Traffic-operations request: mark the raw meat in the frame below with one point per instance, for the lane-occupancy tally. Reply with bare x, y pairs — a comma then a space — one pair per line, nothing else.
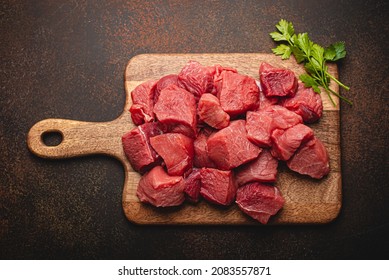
201, 157
277, 81
163, 83
262, 123
196, 78
176, 107
311, 159
180, 128
259, 201
160, 189
238, 94
193, 185
143, 102
259, 128
282, 118
176, 150
218, 79
185, 128
306, 103
229, 147
263, 100
261, 169
211, 112
136, 146
217, 186
286, 142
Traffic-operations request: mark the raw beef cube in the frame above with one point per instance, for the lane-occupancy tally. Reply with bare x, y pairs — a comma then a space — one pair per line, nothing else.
176, 151
143, 102
259, 127
218, 79
260, 124
136, 146
263, 100
160, 189
193, 185
176, 107
196, 78
306, 103
259, 201
220, 69
180, 128
229, 147
238, 94
277, 81
211, 112
201, 157
261, 169
283, 118
286, 142
217, 186
165, 82
311, 159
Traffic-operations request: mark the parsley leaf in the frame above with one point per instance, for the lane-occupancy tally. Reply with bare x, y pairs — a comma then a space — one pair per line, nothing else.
336, 50
278, 36
283, 50
285, 28
310, 82
329, 53
298, 54
304, 43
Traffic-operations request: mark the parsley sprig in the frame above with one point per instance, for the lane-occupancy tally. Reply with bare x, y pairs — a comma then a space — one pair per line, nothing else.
312, 55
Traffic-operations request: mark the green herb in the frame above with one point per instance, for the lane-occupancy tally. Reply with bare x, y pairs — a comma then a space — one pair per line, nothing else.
312, 55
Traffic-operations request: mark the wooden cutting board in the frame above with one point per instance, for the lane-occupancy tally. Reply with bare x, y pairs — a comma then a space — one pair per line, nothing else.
308, 201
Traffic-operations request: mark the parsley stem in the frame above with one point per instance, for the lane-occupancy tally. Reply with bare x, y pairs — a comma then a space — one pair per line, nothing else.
329, 95
341, 97
337, 81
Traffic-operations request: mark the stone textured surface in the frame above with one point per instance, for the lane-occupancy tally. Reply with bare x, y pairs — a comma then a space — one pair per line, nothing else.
65, 59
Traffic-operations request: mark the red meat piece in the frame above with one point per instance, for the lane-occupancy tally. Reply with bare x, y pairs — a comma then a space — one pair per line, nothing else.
160, 189
282, 118
180, 128
193, 185
262, 123
176, 150
211, 112
196, 78
176, 108
277, 81
286, 142
259, 201
306, 103
311, 159
165, 82
137, 148
263, 100
261, 169
229, 147
218, 79
259, 127
217, 186
238, 94
201, 157
143, 102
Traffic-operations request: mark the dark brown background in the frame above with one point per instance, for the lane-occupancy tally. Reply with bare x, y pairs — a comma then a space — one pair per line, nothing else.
65, 59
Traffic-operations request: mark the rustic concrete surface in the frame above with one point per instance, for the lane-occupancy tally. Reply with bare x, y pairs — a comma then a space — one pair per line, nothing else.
65, 59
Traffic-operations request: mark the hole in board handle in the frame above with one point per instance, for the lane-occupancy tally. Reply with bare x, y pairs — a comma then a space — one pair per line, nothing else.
52, 138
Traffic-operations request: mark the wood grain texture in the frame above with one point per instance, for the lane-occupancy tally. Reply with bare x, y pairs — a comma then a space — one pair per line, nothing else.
308, 200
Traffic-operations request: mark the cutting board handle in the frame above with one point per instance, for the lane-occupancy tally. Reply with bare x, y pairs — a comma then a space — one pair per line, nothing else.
78, 138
